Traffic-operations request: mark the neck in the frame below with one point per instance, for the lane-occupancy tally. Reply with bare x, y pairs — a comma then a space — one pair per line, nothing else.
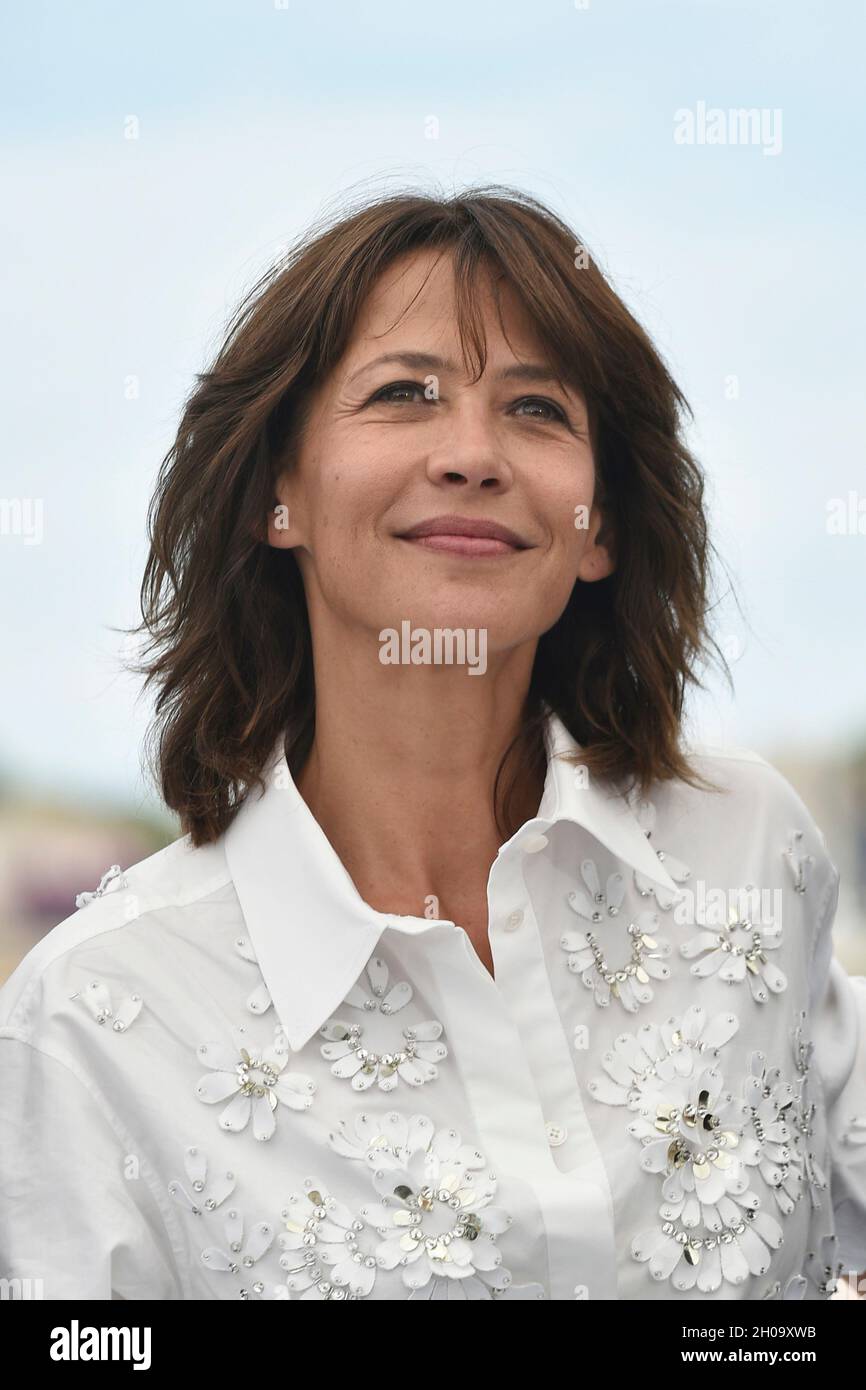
401, 775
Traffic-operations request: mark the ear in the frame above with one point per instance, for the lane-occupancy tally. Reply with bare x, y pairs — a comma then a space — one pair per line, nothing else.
280, 528
599, 555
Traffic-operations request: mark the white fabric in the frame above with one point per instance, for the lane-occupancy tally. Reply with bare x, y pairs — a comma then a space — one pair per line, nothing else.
530, 1111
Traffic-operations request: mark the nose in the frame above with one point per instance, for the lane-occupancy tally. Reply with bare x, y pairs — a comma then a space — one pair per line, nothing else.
470, 453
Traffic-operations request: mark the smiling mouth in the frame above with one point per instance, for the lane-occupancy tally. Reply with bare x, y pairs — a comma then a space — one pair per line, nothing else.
457, 535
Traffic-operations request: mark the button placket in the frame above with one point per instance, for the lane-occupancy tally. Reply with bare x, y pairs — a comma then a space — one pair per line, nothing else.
576, 1201
556, 1134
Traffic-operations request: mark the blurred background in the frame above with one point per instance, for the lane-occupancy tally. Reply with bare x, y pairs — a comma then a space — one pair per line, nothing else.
157, 159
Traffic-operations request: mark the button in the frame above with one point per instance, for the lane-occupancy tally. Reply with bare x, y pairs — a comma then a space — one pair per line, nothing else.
513, 920
556, 1134
531, 844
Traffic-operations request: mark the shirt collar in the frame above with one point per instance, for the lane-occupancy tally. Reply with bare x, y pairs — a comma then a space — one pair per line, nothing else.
310, 929
600, 807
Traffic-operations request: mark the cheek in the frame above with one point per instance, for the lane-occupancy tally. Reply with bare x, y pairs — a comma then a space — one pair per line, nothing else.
567, 511
343, 505
353, 473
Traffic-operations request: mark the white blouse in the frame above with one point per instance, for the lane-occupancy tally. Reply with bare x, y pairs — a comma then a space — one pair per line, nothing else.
227, 1076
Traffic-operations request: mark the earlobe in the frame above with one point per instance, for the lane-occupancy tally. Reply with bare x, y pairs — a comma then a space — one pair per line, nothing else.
596, 563
279, 531
283, 516
599, 558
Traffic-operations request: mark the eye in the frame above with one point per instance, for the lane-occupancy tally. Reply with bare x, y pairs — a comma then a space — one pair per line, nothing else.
388, 394
545, 405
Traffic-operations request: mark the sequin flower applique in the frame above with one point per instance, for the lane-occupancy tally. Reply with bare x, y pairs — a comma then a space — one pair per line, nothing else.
588, 950
823, 1269
770, 1108
798, 863
794, 1168
253, 1080
794, 1288
111, 880
201, 1192
241, 1252
738, 952
329, 1252
804, 1112
371, 1054
259, 1001
693, 1134
97, 1000
437, 1219
645, 813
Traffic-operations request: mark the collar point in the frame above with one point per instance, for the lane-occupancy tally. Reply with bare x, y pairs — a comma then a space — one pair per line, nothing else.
299, 1035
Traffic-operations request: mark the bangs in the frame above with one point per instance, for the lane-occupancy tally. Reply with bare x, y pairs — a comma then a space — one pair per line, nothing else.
488, 244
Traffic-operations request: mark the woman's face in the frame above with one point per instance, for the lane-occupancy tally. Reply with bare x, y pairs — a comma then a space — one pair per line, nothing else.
395, 445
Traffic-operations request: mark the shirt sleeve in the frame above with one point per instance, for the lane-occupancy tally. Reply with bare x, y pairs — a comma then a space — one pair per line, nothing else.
77, 1219
839, 1035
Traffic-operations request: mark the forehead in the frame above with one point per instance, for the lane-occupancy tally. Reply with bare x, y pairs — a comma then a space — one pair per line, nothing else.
415, 298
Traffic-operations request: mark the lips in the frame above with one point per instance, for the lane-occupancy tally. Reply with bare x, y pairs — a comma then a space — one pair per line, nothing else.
463, 535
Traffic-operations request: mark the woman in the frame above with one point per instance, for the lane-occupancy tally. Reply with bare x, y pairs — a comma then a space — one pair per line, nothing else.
467, 980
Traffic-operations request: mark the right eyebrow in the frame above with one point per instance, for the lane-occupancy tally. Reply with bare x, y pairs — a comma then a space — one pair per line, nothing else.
538, 372
423, 361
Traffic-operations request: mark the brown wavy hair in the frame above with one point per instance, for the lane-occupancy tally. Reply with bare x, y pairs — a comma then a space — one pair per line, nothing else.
228, 643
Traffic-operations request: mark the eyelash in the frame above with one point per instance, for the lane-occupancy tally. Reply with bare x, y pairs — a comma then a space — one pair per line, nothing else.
414, 386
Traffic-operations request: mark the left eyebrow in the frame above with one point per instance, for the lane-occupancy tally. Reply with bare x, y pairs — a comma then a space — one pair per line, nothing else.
529, 371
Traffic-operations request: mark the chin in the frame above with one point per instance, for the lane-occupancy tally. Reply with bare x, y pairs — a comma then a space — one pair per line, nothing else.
504, 625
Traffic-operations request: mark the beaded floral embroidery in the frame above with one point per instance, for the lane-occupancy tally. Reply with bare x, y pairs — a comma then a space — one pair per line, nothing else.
241, 1251
413, 1059
253, 1080
97, 1000
111, 880
645, 813
709, 1146
793, 1288
768, 1098
208, 1193
259, 1001
697, 1136
823, 1270
797, 862
737, 952
201, 1194
823, 1266
436, 1220
328, 1251
804, 1113
627, 982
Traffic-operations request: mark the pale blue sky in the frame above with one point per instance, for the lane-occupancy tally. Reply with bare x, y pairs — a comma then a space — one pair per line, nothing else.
123, 258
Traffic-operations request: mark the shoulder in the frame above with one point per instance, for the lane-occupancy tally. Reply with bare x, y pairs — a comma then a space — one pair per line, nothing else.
158, 888
741, 773
754, 807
